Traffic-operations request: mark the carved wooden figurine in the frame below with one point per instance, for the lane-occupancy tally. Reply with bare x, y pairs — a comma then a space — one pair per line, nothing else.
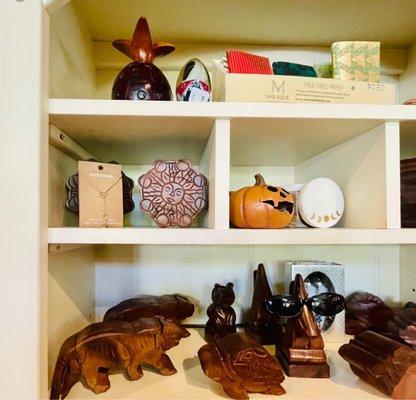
383, 363
221, 316
301, 352
403, 326
408, 193
242, 366
263, 325
366, 311
172, 306
115, 346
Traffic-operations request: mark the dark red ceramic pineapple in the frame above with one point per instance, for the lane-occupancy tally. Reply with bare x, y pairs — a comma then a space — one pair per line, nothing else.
141, 80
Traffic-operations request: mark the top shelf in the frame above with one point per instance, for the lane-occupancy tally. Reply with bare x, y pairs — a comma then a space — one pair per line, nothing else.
61, 108
270, 22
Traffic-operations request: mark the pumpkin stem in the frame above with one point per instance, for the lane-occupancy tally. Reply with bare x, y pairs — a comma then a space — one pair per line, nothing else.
259, 180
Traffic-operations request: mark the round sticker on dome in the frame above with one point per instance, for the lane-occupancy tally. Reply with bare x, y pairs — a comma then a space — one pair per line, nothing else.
321, 203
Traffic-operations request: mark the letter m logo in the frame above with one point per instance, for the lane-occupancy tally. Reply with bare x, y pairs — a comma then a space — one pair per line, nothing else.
278, 87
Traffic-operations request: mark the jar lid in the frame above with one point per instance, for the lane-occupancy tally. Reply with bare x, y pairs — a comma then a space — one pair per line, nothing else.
321, 203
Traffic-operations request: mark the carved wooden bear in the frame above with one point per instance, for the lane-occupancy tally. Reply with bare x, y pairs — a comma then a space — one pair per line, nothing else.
221, 316
90, 354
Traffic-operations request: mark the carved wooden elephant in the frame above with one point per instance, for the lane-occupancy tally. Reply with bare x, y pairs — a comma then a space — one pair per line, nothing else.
120, 346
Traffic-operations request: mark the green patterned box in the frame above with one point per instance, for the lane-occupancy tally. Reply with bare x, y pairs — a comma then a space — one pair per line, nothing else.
356, 61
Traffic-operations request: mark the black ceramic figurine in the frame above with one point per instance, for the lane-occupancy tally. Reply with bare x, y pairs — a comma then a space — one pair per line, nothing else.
141, 79
221, 316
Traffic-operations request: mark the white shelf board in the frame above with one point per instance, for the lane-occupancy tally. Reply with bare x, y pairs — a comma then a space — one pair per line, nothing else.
90, 107
283, 134
191, 383
203, 236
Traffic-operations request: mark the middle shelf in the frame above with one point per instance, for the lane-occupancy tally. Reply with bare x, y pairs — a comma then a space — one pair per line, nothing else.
356, 146
203, 236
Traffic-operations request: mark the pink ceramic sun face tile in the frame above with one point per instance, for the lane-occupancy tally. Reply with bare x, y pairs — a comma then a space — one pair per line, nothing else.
173, 193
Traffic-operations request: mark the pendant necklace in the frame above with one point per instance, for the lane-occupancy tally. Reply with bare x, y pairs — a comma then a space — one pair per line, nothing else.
103, 195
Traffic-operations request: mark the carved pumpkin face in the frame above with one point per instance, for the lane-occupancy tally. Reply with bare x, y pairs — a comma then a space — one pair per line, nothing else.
261, 206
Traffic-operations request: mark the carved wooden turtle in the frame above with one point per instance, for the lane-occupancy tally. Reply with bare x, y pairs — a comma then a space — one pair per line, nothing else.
242, 366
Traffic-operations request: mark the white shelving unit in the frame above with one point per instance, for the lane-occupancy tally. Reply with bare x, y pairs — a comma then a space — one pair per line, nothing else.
56, 71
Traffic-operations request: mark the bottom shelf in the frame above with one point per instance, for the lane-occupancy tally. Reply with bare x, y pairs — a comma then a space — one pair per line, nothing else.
191, 383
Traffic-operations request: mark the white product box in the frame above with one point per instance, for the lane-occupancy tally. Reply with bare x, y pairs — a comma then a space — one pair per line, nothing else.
296, 89
321, 277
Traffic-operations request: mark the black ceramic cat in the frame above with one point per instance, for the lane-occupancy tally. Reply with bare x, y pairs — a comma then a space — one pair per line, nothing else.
221, 316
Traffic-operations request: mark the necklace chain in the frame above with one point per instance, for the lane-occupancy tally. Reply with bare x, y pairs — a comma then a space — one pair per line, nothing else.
102, 194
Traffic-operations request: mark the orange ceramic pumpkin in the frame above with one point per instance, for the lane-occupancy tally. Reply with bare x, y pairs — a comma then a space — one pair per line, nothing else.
261, 206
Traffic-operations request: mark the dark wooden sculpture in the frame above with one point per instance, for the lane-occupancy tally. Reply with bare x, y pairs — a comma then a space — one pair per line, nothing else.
221, 316
89, 355
172, 306
365, 311
301, 351
408, 192
142, 80
242, 366
263, 325
403, 326
72, 201
383, 363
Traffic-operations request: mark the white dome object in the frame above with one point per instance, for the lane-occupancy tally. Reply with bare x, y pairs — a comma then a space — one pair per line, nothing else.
193, 83
321, 203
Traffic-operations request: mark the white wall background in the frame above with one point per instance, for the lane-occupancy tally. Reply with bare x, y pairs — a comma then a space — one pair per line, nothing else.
125, 271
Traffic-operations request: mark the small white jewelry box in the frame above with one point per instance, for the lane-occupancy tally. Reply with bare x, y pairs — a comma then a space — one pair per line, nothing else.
321, 277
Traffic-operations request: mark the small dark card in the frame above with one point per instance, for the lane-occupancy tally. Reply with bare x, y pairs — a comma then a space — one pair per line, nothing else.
288, 68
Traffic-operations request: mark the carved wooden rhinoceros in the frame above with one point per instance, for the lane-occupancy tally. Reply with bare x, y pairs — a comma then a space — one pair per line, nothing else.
119, 346
241, 365
173, 306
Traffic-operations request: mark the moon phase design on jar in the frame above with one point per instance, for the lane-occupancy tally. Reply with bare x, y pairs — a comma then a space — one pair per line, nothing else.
321, 203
